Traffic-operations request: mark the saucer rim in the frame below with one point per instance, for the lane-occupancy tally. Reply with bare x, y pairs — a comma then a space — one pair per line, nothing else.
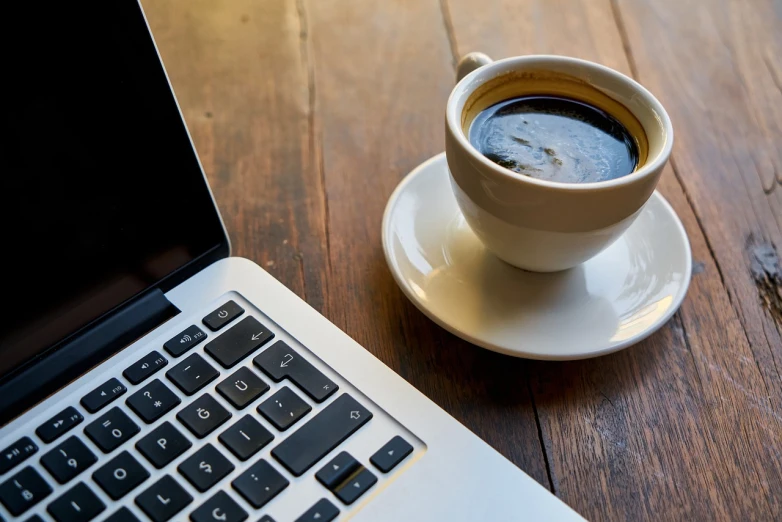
397, 275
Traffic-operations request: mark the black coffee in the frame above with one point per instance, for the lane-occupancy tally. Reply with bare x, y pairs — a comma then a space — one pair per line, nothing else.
554, 138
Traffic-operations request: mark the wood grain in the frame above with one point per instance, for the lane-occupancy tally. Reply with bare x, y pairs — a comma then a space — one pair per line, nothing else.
307, 113
238, 69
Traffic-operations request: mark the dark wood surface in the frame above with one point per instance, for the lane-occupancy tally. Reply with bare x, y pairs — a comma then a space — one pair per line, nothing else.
307, 113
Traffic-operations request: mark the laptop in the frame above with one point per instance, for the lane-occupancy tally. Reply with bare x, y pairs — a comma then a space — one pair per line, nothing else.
147, 375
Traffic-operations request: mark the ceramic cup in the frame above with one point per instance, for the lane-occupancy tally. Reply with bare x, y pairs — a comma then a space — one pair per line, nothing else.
535, 224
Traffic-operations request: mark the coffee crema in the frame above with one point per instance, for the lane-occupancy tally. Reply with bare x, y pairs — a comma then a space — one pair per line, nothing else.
554, 138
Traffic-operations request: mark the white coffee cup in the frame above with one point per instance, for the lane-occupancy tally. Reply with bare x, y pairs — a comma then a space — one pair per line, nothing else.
541, 225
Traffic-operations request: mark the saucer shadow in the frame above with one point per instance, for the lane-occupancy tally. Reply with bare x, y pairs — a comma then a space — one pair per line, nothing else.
460, 376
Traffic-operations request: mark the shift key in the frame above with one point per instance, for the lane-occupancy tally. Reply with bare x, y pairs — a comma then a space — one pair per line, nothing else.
324, 432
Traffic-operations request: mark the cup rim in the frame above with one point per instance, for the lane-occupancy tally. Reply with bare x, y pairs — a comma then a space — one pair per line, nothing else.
649, 168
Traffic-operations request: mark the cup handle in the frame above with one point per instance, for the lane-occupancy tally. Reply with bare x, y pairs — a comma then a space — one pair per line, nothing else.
469, 63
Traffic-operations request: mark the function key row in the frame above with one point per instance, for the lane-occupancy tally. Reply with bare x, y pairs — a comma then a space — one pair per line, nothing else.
16, 453
103, 395
145, 367
184, 341
58, 425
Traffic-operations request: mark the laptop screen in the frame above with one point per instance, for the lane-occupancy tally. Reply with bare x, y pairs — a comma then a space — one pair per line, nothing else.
103, 194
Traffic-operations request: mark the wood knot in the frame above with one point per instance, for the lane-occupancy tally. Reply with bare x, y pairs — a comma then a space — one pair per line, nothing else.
767, 274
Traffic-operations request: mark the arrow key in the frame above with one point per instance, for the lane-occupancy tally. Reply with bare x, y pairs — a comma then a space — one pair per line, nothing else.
238, 342
391, 454
337, 470
322, 511
356, 486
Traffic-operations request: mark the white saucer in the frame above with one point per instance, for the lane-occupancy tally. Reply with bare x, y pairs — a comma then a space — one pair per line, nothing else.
610, 302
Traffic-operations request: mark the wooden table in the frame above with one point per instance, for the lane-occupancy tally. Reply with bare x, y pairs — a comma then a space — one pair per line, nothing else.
306, 114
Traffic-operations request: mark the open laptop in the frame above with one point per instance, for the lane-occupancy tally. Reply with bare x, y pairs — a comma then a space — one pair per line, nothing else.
147, 375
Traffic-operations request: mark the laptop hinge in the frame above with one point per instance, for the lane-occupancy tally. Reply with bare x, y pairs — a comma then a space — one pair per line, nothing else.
82, 352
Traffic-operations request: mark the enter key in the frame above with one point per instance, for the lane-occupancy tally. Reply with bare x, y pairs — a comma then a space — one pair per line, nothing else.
280, 361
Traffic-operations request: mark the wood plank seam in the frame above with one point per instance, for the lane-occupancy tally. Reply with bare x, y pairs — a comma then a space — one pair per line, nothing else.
314, 137
544, 447
449, 31
622, 29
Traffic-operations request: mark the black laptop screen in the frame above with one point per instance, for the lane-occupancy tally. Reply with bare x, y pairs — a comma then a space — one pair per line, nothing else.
103, 196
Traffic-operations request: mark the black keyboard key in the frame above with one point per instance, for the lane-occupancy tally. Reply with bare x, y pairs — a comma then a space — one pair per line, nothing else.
120, 476
123, 514
17, 452
79, 504
102, 395
68, 459
238, 342
59, 424
203, 416
164, 499
322, 511
356, 486
182, 342
111, 429
140, 370
223, 315
153, 401
280, 361
192, 374
242, 387
337, 470
219, 508
321, 434
37, 518
205, 468
284, 409
392, 453
265, 518
259, 484
245, 438
23, 490
163, 445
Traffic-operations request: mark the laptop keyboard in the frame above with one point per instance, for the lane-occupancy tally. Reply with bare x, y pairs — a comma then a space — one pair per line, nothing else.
253, 416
